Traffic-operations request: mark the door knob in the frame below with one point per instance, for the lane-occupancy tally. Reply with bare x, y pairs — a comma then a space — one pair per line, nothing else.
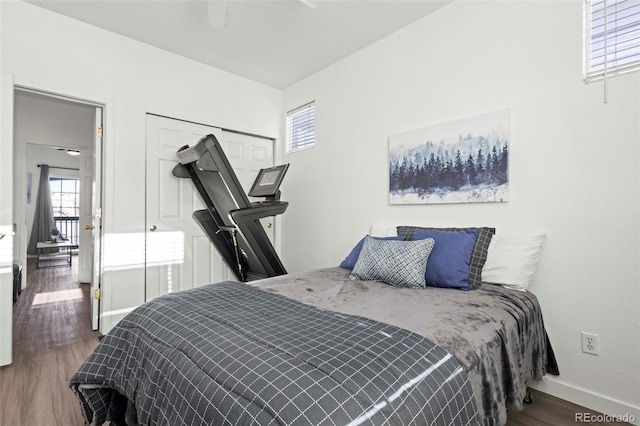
89, 227
269, 225
153, 228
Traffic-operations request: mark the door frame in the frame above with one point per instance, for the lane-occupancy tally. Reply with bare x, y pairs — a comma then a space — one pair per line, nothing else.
20, 163
6, 218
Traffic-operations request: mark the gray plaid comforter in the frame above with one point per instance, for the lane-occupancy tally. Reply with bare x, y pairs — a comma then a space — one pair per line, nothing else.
232, 354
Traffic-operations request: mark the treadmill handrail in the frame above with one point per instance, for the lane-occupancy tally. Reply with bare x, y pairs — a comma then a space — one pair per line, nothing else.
258, 212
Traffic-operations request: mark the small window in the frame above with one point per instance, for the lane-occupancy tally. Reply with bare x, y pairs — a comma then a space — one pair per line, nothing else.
612, 38
301, 128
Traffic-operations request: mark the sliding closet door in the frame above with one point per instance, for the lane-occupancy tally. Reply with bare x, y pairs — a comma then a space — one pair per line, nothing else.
179, 255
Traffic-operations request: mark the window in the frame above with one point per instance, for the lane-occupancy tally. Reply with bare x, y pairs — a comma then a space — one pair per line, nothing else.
65, 201
301, 128
612, 38
65, 196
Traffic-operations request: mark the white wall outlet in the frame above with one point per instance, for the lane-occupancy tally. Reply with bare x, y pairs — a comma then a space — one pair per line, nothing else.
590, 343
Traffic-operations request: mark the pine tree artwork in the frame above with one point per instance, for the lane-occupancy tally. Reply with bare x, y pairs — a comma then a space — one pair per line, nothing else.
464, 161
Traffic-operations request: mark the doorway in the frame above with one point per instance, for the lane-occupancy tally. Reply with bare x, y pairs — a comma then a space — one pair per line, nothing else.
59, 132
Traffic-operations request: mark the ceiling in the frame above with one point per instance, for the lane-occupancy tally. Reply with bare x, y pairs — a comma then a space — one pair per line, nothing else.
277, 43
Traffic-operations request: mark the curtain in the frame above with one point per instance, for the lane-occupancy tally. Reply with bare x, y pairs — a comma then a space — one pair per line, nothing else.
43, 221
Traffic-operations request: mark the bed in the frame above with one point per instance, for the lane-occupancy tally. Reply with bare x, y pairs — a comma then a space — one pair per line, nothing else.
319, 347
497, 334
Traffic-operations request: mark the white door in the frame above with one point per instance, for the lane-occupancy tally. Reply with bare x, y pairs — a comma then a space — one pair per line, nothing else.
87, 208
179, 255
96, 222
247, 155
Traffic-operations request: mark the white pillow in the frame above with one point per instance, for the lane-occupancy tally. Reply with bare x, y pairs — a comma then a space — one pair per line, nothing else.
512, 259
383, 231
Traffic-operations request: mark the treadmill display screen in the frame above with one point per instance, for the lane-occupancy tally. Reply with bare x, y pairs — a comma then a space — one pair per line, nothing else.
269, 178
268, 181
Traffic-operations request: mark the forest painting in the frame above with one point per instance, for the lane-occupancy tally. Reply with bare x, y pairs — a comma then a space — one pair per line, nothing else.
465, 161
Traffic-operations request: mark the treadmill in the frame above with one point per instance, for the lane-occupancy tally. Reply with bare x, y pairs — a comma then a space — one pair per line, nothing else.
230, 220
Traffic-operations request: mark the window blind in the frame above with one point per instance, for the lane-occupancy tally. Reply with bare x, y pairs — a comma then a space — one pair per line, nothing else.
301, 128
612, 38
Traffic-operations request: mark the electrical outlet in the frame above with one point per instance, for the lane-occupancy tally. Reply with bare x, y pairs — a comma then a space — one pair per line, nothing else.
590, 343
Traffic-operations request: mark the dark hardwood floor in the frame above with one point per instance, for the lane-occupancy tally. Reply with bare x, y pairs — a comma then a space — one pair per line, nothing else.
53, 336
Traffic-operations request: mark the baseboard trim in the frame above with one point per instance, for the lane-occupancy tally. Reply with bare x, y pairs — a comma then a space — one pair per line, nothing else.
588, 399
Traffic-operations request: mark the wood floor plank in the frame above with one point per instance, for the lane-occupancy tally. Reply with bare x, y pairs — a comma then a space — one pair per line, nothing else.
51, 340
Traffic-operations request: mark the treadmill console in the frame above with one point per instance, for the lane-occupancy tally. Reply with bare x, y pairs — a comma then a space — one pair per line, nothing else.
267, 183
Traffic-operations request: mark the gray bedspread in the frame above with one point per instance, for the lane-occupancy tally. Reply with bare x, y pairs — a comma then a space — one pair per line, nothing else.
232, 354
497, 334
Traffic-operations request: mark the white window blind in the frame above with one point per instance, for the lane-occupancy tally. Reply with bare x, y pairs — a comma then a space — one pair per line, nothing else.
612, 38
301, 128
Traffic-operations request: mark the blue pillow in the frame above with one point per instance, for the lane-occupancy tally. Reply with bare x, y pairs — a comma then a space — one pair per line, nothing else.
350, 261
449, 261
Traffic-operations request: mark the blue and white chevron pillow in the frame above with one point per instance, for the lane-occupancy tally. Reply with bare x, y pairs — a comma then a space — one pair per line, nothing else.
399, 263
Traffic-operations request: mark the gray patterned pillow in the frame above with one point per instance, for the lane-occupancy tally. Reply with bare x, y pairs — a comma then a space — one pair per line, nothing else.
399, 263
478, 256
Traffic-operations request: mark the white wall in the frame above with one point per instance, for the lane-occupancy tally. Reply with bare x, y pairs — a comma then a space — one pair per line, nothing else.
47, 51
573, 168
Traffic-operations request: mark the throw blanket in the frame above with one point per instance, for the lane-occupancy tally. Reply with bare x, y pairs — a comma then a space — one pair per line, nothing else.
231, 354
496, 334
